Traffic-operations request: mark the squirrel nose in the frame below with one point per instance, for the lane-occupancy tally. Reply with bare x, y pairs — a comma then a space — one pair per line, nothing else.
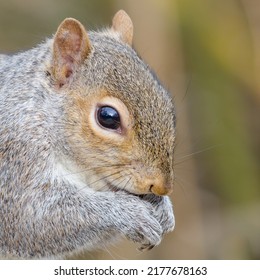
158, 186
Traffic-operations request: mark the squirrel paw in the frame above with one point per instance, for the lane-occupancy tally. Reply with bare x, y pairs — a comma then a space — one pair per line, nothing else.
143, 227
163, 211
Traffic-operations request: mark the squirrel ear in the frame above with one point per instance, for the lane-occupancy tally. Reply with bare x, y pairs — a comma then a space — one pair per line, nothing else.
123, 24
71, 46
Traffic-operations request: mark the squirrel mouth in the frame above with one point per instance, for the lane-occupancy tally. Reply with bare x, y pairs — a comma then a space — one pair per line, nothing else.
114, 188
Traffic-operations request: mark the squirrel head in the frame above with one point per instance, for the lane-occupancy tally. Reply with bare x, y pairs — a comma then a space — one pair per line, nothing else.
118, 120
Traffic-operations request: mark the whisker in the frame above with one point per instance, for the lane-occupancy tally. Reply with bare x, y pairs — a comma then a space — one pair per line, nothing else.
127, 183
95, 168
119, 183
102, 178
120, 174
115, 255
132, 184
186, 157
109, 252
182, 185
113, 181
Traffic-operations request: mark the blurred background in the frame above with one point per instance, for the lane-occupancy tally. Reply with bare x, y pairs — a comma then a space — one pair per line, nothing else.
207, 54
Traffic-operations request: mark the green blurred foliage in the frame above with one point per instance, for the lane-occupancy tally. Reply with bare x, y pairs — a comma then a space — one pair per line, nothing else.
219, 53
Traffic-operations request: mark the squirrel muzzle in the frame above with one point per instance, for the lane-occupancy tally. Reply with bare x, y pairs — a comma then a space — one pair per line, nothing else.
161, 189
158, 185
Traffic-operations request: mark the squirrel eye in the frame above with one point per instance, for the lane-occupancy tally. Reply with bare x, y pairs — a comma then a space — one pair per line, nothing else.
108, 117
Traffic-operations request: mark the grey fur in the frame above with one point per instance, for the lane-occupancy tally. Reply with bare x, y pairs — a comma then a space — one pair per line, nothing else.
42, 213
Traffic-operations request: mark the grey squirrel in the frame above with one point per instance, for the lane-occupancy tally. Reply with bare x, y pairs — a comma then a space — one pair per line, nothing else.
87, 137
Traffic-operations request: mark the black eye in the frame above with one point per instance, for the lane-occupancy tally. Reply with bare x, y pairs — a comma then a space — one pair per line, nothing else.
108, 117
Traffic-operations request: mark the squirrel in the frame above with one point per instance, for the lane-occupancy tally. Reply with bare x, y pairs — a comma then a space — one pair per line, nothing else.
87, 137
